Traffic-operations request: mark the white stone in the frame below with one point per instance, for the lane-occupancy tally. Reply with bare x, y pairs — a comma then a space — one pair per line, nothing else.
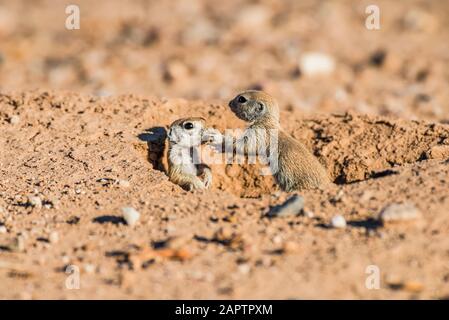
35, 201
130, 215
399, 212
3, 229
244, 268
89, 268
124, 183
53, 237
14, 119
309, 214
316, 63
338, 222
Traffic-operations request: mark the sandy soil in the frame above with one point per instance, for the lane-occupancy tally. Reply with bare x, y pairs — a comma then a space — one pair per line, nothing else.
83, 118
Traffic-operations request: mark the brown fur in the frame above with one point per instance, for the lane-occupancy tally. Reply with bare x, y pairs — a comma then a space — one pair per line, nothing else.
297, 167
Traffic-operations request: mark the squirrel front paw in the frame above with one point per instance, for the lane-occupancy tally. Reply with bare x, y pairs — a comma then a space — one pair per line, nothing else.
212, 136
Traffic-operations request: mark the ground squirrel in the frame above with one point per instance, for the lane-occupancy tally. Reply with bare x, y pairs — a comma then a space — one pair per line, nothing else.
292, 165
184, 164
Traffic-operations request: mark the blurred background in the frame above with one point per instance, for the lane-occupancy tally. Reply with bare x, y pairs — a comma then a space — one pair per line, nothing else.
200, 49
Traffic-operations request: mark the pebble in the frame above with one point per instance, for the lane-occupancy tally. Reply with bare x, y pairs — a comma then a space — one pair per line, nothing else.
398, 212
35, 202
53, 237
65, 259
293, 206
3, 229
244, 268
277, 239
177, 242
14, 119
410, 286
419, 20
130, 215
224, 234
19, 244
309, 214
290, 247
338, 222
253, 17
316, 63
124, 183
89, 268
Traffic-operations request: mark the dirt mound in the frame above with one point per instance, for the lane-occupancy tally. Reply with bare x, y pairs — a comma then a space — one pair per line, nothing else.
128, 133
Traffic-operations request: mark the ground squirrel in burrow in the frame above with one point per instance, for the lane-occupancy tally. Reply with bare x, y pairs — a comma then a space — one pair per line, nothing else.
184, 164
292, 165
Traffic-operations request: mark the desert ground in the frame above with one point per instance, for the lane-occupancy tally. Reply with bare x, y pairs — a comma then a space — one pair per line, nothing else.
83, 124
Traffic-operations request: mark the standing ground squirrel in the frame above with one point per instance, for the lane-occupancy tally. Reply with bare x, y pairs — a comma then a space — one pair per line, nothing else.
292, 165
184, 164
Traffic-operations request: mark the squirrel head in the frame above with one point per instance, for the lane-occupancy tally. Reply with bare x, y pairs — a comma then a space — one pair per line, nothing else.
187, 132
255, 106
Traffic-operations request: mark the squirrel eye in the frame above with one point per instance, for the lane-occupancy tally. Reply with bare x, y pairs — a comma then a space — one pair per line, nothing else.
260, 106
188, 125
241, 99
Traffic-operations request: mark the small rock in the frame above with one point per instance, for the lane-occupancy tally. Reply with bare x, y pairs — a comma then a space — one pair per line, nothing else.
413, 286
18, 244
410, 286
228, 237
89, 268
309, 214
338, 222
316, 63
53, 237
293, 206
175, 71
73, 220
65, 259
3, 229
178, 242
398, 212
14, 120
244, 268
224, 234
338, 197
253, 17
419, 20
130, 215
124, 183
35, 202
277, 239
290, 247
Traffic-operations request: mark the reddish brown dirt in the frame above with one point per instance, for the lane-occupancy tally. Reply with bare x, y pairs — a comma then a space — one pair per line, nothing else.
106, 94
